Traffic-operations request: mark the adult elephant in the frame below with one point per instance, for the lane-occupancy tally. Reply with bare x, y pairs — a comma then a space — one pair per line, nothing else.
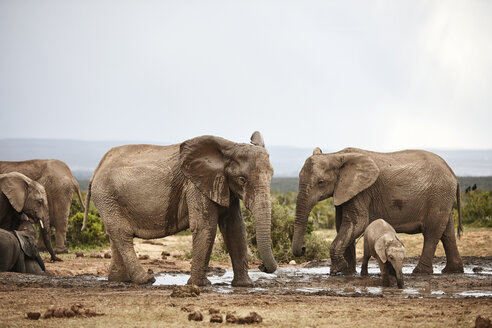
19, 250
21, 195
152, 191
59, 184
412, 190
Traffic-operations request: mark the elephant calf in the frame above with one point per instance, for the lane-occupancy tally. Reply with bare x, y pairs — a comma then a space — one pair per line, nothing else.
382, 243
19, 252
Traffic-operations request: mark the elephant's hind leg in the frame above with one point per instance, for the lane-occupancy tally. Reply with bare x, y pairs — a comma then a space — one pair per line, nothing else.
121, 237
60, 223
454, 264
117, 270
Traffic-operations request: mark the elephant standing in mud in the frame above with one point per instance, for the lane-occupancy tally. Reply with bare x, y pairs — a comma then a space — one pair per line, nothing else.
20, 195
152, 191
59, 184
412, 190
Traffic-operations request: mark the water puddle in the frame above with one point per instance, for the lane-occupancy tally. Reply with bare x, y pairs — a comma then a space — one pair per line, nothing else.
316, 281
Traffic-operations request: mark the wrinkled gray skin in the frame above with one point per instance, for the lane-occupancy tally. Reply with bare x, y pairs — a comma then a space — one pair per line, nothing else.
412, 190
19, 250
151, 191
20, 195
382, 243
59, 184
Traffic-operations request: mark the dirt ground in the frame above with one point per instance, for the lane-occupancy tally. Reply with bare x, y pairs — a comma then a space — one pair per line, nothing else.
292, 298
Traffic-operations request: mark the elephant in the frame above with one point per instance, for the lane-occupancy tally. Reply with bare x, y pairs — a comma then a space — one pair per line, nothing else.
413, 190
382, 243
19, 250
150, 191
20, 195
59, 183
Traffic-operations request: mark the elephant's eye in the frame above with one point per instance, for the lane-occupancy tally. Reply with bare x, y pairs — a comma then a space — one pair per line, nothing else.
321, 182
391, 256
242, 180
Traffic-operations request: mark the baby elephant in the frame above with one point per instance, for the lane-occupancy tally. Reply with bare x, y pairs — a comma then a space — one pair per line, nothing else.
381, 242
19, 253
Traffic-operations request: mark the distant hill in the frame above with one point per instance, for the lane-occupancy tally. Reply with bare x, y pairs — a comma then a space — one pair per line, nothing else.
83, 156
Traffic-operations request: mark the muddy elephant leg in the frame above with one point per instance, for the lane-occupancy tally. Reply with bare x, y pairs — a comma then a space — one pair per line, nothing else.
385, 273
365, 260
234, 232
428, 251
117, 270
60, 223
350, 258
121, 236
454, 264
203, 225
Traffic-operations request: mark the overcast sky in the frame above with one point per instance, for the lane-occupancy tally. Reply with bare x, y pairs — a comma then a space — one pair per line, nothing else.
382, 75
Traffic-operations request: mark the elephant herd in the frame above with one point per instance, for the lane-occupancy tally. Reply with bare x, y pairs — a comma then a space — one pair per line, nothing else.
152, 191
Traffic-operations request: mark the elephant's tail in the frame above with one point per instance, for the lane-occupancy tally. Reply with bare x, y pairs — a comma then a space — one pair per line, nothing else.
87, 204
458, 204
77, 189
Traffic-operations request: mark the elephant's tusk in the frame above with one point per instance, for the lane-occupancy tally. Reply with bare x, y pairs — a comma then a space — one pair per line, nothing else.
41, 224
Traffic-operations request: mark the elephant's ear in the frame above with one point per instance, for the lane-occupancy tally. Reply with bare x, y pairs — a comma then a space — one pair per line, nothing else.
257, 139
27, 245
357, 172
202, 161
14, 187
380, 248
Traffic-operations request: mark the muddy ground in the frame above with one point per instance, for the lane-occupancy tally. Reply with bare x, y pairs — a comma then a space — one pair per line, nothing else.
295, 296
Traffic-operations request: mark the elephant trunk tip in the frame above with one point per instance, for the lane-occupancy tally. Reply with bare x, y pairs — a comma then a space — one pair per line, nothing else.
266, 269
298, 252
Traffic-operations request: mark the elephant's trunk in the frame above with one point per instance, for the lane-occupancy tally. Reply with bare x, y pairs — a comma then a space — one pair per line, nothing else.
262, 213
45, 232
303, 208
399, 276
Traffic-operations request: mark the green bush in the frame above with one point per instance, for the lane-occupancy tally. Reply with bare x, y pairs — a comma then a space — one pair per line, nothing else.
476, 208
282, 232
93, 236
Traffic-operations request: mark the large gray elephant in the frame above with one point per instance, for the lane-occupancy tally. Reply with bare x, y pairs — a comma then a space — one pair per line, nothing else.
412, 190
21, 195
59, 183
152, 191
19, 250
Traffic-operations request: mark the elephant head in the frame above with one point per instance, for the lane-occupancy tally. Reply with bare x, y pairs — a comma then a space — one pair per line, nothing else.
28, 197
27, 241
341, 175
391, 249
222, 169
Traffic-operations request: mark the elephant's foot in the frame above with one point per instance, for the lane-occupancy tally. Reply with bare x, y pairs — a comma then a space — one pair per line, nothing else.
386, 281
120, 276
242, 282
61, 250
422, 269
199, 281
142, 278
363, 271
453, 268
339, 267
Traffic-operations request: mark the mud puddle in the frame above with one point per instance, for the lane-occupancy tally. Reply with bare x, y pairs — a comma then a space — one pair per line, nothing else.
475, 282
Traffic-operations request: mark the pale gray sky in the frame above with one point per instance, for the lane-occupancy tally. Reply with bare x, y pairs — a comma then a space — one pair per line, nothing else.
382, 75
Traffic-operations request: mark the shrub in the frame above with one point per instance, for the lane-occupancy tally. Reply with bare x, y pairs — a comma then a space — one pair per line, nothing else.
93, 236
476, 208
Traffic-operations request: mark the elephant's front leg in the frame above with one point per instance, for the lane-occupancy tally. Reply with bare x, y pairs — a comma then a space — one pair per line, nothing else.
203, 225
233, 230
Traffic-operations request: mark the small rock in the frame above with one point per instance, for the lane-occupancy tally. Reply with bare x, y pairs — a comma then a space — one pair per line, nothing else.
481, 322
195, 316
107, 255
213, 311
216, 318
186, 309
253, 317
293, 262
477, 269
164, 253
59, 313
33, 315
231, 318
95, 256
79, 254
143, 257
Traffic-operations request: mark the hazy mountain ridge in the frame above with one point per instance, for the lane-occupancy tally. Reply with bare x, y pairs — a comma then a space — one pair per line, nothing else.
83, 156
